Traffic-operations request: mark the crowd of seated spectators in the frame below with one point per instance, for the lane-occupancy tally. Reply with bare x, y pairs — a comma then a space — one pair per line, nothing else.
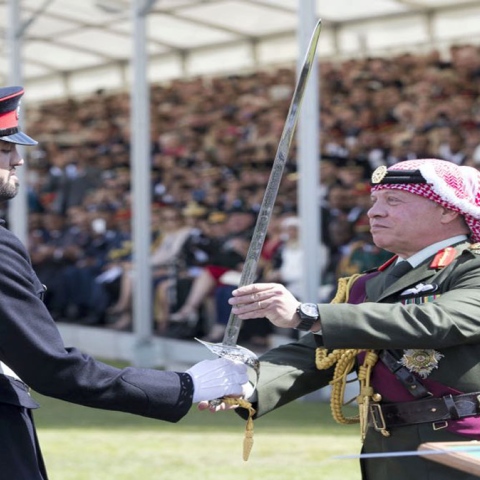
213, 141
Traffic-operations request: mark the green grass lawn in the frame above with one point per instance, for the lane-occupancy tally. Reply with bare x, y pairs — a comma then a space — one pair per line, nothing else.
296, 442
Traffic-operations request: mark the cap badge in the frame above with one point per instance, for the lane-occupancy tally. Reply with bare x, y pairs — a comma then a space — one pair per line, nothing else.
379, 174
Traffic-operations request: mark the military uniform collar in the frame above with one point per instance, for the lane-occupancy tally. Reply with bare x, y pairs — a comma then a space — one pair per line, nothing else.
431, 250
423, 268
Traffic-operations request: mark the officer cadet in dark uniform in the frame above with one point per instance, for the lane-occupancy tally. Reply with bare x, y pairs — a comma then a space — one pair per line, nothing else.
32, 352
411, 328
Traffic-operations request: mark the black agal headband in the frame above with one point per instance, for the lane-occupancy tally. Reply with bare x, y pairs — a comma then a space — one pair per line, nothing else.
382, 176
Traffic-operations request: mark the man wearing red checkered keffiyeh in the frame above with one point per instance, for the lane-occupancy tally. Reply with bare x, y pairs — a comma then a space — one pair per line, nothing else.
454, 187
418, 315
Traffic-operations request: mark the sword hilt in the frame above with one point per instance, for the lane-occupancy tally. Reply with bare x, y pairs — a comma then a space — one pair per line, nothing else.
235, 353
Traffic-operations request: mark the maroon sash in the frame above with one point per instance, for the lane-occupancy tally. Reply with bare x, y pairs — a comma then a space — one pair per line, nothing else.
390, 388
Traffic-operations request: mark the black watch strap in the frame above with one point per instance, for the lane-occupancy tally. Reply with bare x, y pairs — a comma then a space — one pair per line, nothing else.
308, 314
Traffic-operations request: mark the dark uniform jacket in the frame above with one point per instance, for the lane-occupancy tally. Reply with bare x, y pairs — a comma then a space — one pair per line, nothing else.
449, 324
31, 346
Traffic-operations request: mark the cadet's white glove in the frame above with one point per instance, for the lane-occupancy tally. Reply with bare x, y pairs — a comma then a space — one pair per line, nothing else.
214, 379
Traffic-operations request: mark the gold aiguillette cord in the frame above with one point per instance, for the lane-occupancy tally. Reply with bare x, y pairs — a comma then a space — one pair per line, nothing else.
248, 440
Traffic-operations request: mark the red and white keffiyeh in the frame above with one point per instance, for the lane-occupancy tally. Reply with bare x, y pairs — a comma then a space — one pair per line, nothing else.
454, 187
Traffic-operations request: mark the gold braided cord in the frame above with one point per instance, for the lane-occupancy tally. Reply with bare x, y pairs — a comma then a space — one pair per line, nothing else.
345, 284
248, 440
344, 361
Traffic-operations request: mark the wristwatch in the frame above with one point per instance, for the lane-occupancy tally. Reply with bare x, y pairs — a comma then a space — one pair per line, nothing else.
308, 314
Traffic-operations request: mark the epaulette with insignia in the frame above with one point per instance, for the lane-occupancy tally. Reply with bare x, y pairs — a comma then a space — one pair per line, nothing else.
475, 248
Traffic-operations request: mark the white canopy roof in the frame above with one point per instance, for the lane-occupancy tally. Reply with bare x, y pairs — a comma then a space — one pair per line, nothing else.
72, 47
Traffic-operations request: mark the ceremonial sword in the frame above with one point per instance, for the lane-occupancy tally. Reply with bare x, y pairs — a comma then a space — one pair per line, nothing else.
228, 348
421, 452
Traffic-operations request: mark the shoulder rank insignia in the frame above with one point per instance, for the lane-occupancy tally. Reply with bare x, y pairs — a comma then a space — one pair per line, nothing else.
475, 248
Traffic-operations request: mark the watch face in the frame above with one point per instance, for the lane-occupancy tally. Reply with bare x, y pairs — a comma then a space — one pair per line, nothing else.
309, 309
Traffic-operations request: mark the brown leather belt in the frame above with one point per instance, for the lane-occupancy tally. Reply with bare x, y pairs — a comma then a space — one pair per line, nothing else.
430, 410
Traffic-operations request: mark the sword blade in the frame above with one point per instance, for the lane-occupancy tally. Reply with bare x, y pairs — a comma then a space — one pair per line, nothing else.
409, 453
249, 270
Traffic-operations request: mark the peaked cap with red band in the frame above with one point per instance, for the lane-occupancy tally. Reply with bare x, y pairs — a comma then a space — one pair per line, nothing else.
454, 187
9, 109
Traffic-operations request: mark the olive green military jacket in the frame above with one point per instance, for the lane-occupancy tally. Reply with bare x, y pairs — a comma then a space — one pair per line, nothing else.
450, 325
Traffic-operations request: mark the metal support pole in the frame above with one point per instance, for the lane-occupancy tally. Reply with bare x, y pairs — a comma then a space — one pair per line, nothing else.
17, 209
141, 191
308, 162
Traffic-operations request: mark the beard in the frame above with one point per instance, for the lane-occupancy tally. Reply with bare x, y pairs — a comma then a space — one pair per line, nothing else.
8, 190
